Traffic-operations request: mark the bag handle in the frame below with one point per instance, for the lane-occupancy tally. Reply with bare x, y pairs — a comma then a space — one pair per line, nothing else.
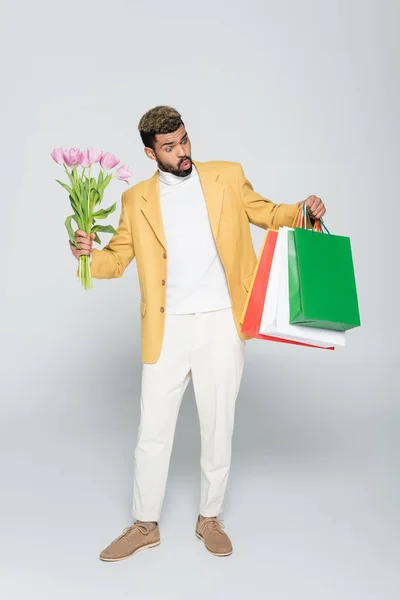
304, 215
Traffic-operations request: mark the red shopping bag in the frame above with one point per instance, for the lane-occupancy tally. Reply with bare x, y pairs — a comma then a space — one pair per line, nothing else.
256, 299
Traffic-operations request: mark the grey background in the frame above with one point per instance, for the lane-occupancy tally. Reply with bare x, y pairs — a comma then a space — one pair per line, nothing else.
305, 95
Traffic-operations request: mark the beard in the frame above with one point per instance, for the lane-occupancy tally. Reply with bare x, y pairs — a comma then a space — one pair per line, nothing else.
176, 171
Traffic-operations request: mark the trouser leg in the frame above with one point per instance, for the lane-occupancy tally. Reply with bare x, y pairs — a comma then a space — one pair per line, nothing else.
217, 367
163, 386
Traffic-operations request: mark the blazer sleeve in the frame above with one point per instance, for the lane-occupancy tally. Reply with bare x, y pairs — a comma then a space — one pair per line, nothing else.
112, 260
263, 212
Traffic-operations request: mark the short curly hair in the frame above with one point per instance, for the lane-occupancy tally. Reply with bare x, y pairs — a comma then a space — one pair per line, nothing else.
160, 119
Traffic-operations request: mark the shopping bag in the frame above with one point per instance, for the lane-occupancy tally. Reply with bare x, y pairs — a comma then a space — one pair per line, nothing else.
252, 311
253, 308
275, 315
322, 286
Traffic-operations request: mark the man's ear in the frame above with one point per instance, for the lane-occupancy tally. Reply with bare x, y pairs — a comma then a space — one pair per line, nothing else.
150, 153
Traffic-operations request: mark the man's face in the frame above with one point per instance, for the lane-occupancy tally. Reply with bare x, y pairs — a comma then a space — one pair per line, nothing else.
172, 152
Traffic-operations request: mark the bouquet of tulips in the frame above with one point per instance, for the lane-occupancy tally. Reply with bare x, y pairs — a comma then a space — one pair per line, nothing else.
85, 194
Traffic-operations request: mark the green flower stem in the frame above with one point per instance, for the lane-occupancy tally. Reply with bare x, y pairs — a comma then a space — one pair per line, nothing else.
84, 272
89, 211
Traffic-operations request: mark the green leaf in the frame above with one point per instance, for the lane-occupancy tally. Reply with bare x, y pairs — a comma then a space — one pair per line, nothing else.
97, 239
71, 178
104, 229
105, 183
71, 233
96, 198
74, 186
65, 186
70, 191
100, 179
84, 187
75, 206
72, 196
102, 214
83, 195
101, 193
78, 221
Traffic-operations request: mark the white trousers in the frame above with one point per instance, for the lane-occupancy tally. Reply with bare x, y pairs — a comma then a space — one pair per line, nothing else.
206, 347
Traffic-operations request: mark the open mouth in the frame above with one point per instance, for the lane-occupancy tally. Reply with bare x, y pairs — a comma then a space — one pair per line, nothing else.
186, 164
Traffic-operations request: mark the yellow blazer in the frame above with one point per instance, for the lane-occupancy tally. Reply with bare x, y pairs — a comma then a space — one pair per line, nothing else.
231, 204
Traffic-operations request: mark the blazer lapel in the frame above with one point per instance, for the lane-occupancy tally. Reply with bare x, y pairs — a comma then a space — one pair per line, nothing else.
213, 192
152, 208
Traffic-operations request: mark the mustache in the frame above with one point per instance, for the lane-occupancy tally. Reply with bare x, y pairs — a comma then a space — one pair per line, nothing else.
184, 160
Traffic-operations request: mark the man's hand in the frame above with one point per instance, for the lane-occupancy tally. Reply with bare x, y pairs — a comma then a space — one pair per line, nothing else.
315, 207
84, 241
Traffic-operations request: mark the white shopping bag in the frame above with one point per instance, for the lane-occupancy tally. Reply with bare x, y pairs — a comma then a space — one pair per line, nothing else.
276, 312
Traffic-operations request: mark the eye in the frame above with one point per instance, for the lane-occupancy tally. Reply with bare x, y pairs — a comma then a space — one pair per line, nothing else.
168, 149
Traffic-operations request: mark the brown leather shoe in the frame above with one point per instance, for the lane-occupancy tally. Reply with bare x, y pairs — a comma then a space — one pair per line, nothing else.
133, 539
216, 541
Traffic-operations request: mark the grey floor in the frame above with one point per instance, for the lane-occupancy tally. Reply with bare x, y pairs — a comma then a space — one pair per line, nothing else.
312, 504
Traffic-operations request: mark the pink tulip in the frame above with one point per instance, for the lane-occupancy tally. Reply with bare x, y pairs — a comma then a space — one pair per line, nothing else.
58, 156
108, 161
85, 162
124, 173
73, 157
90, 156
94, 155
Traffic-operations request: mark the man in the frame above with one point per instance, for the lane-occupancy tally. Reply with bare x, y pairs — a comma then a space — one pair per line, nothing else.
188, 227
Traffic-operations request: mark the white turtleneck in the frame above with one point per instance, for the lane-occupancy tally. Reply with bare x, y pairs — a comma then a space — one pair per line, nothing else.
196, 280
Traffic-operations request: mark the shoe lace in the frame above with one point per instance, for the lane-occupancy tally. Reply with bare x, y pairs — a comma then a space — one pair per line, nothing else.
128, 531
210, 524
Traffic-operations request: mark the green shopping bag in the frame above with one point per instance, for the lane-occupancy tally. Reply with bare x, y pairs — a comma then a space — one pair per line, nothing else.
322, 286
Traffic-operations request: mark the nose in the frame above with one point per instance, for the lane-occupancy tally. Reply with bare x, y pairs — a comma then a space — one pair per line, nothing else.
182, 151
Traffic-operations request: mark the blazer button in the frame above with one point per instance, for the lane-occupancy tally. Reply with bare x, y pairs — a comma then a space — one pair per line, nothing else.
163, 282
162, 309
164, 255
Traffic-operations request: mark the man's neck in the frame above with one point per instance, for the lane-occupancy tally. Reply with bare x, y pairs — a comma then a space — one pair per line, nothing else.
172, 179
